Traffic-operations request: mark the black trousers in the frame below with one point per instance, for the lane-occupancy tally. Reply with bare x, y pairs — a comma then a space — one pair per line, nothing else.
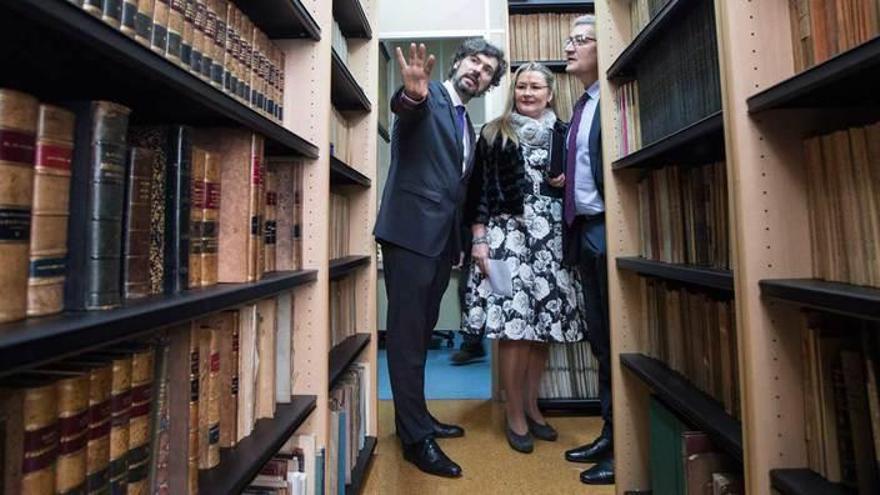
594, 274
415, 285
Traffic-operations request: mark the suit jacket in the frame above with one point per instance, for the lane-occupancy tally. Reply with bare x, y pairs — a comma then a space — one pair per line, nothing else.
423, 196
571, 248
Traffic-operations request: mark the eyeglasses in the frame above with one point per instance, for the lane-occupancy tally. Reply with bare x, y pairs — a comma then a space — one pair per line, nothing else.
534, 88
579, 40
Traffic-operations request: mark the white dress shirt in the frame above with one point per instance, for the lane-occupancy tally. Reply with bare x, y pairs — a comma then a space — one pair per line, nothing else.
587, 200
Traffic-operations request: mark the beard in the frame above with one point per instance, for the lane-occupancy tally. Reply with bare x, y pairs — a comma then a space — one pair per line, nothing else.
473, 91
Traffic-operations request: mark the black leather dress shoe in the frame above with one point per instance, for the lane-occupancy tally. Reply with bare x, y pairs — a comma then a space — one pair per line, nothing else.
442, 430
600, 474
428, 457
601, 448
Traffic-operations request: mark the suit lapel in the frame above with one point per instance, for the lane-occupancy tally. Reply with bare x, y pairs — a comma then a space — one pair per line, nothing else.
472, 148
450, 110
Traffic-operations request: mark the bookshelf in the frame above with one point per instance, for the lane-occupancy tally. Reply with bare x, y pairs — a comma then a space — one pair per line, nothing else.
343, 267
240, 464
359, 475
539, 6
700, 276
345, 353
768, 110
62, 53
557, 66
700, 142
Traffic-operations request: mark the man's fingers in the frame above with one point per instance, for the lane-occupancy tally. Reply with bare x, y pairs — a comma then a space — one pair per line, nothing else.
423, 52
429, 65
413, 53
401, 60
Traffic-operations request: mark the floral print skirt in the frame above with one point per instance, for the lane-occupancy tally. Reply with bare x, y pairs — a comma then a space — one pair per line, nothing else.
547, 303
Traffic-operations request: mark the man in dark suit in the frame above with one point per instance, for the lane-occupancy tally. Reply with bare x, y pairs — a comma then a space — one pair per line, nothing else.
584, 213
432, 145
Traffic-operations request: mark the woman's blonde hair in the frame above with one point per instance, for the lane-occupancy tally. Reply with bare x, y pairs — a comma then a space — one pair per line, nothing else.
502, 125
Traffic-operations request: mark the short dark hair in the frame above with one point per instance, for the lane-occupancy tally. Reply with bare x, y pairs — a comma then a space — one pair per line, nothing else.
479, 46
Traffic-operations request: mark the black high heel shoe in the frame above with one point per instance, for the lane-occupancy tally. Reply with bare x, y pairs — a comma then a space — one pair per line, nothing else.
542, 432
519, 443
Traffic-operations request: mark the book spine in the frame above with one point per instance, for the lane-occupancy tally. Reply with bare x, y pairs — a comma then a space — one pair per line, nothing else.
143, 22
98, 183
136, 223
155, 139
48, 238
159, 439
218, 8
100, 416
211, 220
31, 438
112, 14
160, 26
129, 17
203, 41
177, 210
270, 231
139, 454
119, 427
229, 45
188, 37
193, 426
255, 253
18, 138
210, 43
73, 426
198, 200
227, 383
247, 33
176, 22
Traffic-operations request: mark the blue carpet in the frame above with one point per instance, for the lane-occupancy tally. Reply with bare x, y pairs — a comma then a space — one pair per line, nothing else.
444, 381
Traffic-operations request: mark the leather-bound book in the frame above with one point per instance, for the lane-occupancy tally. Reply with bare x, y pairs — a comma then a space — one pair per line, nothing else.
209, 47
177, 209
267, 312
129, 17
239, 56
48, 251
28, 406
270, 232
119, 429
94, 7
155, 139
217, 8
192, 452
160, 442
72, 390
143, 22
227, 376
136, 223
139, 430
257, 209
209, 405
18, 131
197, 206
247, 371
180, 364
211, 220
160, 26
113, 13
229, 45
176, 21
199, 39
284, 173
98, 189
297, 217
247, 57
189, 27
281, 80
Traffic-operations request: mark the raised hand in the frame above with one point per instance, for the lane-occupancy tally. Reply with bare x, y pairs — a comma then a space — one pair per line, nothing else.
416, 72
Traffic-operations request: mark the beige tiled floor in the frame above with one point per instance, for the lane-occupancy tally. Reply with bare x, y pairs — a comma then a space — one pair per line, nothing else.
490, 465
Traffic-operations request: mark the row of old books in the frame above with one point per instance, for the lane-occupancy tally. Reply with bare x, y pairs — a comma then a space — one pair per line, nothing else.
213, 39
343, 309
539, 36
340, 215
684, 461
694, 333
571, 373
843, 186
683, 215
340, 136
630, 131
150, 220
641, 12
349, 417
678, 75
145, 417
841, 405
821, 29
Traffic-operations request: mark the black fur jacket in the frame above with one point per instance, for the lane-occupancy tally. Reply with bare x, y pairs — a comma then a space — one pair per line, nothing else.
498, 183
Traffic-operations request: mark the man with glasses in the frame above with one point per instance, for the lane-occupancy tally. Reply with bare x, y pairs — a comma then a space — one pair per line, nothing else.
584, 215
419, 226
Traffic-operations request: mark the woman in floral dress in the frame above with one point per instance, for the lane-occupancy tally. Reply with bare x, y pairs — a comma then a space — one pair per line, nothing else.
515, 214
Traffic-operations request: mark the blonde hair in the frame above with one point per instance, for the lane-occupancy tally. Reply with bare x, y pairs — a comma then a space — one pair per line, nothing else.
502, 125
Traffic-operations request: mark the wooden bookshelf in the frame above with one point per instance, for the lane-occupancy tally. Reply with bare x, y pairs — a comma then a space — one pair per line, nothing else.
60, 53
542, 6
342, 174
557, 66
345, 354
35, 341
342, 267
346, 93
804, 482
578, 407
240, 464
352, 19
623, 67
282, 18
692, 275
359, 475
678, 394
847, 79
700, 142
831, 297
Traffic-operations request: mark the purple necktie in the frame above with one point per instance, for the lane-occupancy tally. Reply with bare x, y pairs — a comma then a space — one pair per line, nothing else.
462, 125
571, 158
